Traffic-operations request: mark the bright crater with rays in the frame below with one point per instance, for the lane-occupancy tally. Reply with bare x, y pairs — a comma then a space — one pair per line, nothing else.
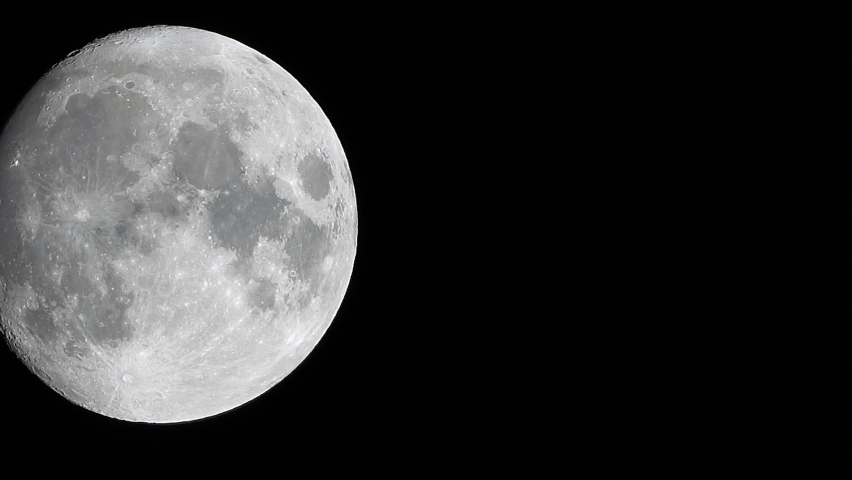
178, 225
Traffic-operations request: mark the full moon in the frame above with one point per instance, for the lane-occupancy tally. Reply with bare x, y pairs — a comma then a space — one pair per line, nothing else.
178, 225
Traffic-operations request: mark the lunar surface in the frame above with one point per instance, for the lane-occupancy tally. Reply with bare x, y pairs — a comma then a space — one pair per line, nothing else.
177, 225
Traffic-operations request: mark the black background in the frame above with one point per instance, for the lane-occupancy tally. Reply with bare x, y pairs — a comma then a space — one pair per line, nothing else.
591, 240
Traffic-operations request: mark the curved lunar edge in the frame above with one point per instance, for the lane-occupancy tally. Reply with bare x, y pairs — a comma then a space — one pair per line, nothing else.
177, 225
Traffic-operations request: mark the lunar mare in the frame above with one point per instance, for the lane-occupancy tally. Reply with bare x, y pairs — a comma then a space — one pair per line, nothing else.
178, 225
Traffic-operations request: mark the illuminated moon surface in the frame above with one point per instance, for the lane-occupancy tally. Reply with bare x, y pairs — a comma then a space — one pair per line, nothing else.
177, 225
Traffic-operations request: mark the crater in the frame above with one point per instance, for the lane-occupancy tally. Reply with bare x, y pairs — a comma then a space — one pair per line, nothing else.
79, 220
316, 176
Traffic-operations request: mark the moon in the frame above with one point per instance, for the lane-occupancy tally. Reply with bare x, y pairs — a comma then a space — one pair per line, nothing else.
178, 225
